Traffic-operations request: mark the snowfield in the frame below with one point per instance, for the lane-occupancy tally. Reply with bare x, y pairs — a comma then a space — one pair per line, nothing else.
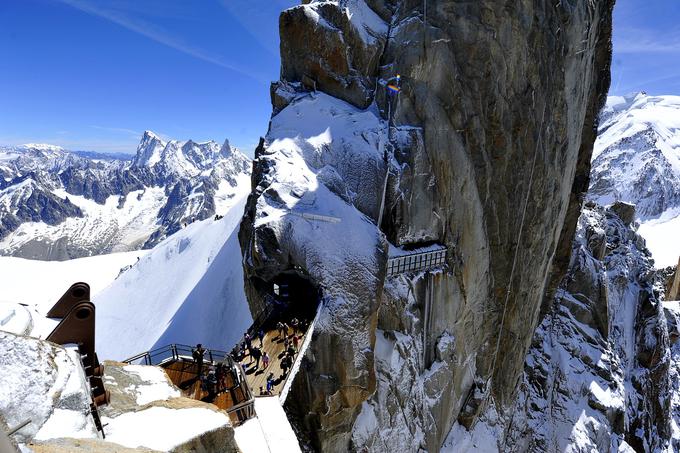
663, 238
188, 289
30, 288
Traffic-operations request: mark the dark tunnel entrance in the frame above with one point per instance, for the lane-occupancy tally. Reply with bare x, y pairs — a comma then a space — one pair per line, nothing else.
291, 294
295, 295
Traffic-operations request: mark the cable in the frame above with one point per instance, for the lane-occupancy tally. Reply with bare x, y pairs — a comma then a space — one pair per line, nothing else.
514, 259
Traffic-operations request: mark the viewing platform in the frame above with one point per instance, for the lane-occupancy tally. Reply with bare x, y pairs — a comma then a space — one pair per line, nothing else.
233, 395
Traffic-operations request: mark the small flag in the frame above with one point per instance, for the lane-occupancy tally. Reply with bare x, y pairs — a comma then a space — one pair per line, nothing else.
393, 89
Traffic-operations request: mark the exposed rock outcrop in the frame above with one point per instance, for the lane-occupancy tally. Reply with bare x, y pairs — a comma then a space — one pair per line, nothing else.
598, 375
488, 154
673, 288
45, 384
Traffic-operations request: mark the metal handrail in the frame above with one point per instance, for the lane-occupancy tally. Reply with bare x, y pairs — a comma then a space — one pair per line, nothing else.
175, 351
416, 261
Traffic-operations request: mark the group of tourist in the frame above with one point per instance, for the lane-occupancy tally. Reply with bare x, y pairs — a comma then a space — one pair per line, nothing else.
215, 381
289, 334
256, 353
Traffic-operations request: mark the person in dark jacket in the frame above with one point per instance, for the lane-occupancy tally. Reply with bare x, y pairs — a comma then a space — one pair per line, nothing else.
198, 354
285, 364
270, 383
256, 353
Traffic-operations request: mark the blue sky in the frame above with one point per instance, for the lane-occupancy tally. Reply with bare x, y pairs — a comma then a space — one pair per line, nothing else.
646, 47
94, 74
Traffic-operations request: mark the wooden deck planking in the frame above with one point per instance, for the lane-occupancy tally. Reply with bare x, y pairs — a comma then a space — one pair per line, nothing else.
184, 375
272, 345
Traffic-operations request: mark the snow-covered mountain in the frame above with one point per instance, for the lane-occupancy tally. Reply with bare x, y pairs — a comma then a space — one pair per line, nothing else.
56, 204
188, 288
637, 160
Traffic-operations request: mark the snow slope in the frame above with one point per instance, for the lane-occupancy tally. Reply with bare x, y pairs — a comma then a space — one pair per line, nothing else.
162, 428
663, 237
268, 431
188, 289
30, 288
636, 159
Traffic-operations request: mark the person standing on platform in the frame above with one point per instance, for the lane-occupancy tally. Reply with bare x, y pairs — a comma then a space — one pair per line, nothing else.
198, 354
270, 383
256, 354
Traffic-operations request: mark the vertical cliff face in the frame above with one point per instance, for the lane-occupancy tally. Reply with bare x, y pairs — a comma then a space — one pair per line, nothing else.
486, 150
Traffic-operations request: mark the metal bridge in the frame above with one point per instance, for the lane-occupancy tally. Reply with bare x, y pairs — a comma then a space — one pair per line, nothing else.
416, 261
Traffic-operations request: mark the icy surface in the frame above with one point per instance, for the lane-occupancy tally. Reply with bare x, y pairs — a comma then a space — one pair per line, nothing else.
162, 428
188, 289
269, 431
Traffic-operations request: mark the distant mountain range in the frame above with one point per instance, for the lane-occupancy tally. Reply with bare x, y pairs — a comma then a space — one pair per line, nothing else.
58, 204
637, 160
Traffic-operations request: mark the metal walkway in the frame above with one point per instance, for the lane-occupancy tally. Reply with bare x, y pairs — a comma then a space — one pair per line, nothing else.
416, 261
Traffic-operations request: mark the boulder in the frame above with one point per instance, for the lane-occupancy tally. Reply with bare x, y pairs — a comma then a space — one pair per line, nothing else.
625, 211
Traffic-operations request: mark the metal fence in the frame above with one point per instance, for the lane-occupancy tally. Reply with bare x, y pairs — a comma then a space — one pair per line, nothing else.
417, 261
244, 407
175, 352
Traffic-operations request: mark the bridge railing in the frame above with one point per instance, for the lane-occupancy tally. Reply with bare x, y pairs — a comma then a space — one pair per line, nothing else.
417, 261
175, 352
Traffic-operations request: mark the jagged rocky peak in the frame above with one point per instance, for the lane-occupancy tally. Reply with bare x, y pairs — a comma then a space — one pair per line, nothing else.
182, 157
149, 150
488, 154
44, 209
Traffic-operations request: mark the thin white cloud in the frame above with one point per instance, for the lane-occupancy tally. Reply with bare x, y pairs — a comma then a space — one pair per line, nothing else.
635, 40
121, 130
251, 15
154, 33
